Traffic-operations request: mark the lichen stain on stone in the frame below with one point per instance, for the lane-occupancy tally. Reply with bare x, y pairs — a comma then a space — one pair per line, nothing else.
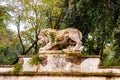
74, 60
45, 61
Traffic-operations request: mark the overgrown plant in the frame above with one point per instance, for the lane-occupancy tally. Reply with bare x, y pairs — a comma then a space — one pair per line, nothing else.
109, 59
36, 60
52, 37
17, 68
112, 62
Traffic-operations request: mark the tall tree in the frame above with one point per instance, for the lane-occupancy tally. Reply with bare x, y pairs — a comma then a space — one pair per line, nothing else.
8, 53
55, 10
35, 15
116, 22
96, 21
32, 17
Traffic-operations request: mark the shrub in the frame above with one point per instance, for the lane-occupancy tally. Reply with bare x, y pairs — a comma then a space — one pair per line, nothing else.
112, 62
36, 60
17, 68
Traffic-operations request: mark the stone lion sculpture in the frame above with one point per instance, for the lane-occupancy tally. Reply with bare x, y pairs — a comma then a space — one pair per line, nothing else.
53, 39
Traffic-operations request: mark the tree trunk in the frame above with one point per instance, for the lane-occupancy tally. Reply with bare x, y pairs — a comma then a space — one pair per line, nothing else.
19, 36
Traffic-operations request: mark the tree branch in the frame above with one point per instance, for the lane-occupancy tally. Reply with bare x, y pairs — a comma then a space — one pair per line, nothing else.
66, 5
19, 36
50, 19
58, 21
29, 48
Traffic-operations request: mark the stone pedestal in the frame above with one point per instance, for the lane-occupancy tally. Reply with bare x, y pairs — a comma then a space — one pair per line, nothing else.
61, 65
66, 61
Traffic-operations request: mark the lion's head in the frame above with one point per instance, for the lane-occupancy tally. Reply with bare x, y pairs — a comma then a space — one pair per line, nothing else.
45, 35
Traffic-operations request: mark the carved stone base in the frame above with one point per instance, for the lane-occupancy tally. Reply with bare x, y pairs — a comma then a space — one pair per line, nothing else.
61, 51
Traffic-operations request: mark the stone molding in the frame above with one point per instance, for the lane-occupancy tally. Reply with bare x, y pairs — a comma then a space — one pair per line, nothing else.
67, 74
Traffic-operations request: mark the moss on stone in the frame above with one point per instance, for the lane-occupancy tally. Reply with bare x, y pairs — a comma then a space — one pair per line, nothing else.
36, 60
17, 68
75, 74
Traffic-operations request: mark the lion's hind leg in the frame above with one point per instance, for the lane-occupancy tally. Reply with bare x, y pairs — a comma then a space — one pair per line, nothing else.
77, 46
77, 39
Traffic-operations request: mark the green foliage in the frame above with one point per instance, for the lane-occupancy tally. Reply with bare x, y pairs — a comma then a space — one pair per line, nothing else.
83, 55
117, 44
108, 58
17, 68
4, 17
8, 44
52, 37
94, 19
9, 48
111, 62
54, 10
36, 60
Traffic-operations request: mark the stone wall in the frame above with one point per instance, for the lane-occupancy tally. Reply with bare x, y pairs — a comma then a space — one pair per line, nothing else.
61, 66
53, 78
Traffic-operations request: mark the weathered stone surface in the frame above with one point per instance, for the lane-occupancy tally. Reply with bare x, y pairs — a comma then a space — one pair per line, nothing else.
60, 65
57, 78
2, 69
54, 39
27, 67
50, 78
90, 65
60, 62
